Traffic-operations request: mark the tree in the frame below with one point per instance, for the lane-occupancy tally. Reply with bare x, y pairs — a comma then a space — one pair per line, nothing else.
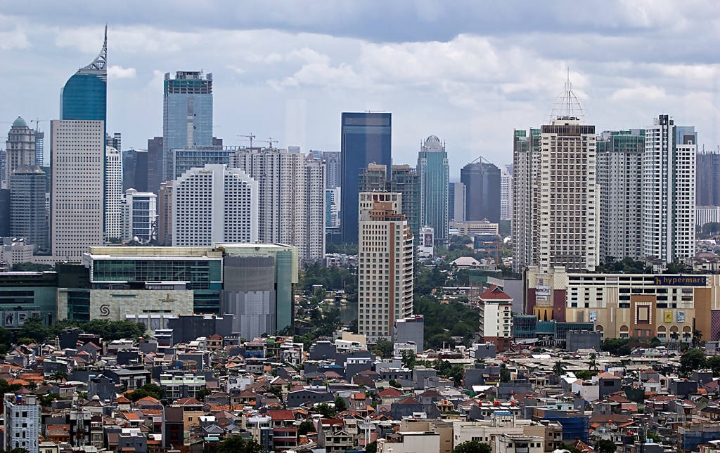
202, 393
593, 364
693, 359
325, 410
340, 404
559, 368
237, 444
504, 373
151, 390
408, 358
34, 328
714, 364
605, 446
5, 341
472, 446
306, 427
371, 447
696, 338
383, 348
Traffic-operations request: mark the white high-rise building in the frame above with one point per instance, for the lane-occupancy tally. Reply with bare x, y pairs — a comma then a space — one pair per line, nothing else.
332, 207
19, 148
140, 216
113, 194
292, 198
668, 191
506, 187
214, 204
556, 187
385, 264
78, 183
619, 170
22, 422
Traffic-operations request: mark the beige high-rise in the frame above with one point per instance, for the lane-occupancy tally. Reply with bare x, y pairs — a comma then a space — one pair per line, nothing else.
78, 157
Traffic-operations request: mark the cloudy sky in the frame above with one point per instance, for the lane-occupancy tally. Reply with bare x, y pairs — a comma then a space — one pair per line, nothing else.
467, 71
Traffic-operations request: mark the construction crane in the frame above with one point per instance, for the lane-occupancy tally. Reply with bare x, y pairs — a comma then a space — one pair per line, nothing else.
251, 137
270, 141
37, 123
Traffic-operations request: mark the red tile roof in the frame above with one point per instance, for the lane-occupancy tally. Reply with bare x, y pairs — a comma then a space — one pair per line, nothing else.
494, 293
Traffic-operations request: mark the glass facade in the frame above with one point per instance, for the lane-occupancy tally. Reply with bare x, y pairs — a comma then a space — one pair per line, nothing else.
434, 172
185, 159
187, 114
84, 97
199, 274
365, 138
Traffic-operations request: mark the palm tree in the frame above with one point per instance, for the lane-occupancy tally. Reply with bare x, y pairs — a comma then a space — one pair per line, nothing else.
559, 368
593, 364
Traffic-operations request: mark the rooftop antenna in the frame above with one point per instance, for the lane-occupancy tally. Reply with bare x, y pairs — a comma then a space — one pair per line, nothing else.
567, 105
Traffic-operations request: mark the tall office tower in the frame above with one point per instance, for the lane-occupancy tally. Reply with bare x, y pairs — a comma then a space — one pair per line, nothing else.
114, 141
619, 175
506, 186
482, 191
19, 148
668, 191
154, 164
113, 194
22, 422
3, 162
39, 148
526, 163
456, 201
4, 213
135, 170
187, 114
434, 172
78, 185
28, 215
708, 178
365, 138
292, 199
333, 169
385, 265
403, 179
558, 183
164, 211
332, 208
140, 217
183, 159
214, 204
84, 96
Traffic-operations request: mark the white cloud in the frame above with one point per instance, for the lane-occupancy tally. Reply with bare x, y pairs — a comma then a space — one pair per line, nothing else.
118, 72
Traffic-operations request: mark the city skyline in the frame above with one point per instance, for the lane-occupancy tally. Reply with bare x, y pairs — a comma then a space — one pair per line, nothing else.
300, 74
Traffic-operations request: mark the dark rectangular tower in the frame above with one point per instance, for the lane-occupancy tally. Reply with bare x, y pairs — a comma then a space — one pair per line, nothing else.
365, 139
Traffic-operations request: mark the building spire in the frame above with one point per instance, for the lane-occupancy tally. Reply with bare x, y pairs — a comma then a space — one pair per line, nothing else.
567, 105
99, 64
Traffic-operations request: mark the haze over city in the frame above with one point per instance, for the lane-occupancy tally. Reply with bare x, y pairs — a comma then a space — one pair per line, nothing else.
468, 72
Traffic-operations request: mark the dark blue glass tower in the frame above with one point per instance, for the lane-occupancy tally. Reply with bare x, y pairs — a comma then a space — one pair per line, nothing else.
84, 96
366, 139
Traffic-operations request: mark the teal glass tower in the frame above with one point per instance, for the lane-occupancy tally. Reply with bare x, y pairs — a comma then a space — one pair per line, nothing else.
84, 96
434, 174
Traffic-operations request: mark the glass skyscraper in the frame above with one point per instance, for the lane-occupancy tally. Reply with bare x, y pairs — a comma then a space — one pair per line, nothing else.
187, 115
365, 139
434, 174
84, 96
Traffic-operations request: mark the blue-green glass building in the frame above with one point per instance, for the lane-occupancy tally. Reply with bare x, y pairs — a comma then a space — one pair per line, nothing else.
84, 96
434, 174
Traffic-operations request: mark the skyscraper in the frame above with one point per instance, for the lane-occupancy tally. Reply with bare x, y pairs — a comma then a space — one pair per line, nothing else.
619, 173
113, 194
456, 201
140, 216
78, 184
332, 169
28, 215
482, 191
19, 148
404, 180
506, 186
365, 138
668, 191
434, 173
155, 164
385, 265
164, 211
135, 170
183, 159
214, 204
84, 96
564, 203
708, 178
291, 201
187, 114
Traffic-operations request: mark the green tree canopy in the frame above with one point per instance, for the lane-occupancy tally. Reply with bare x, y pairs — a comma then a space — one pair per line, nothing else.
472, 446
692, 359
605, 446
383, 348
237, 444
